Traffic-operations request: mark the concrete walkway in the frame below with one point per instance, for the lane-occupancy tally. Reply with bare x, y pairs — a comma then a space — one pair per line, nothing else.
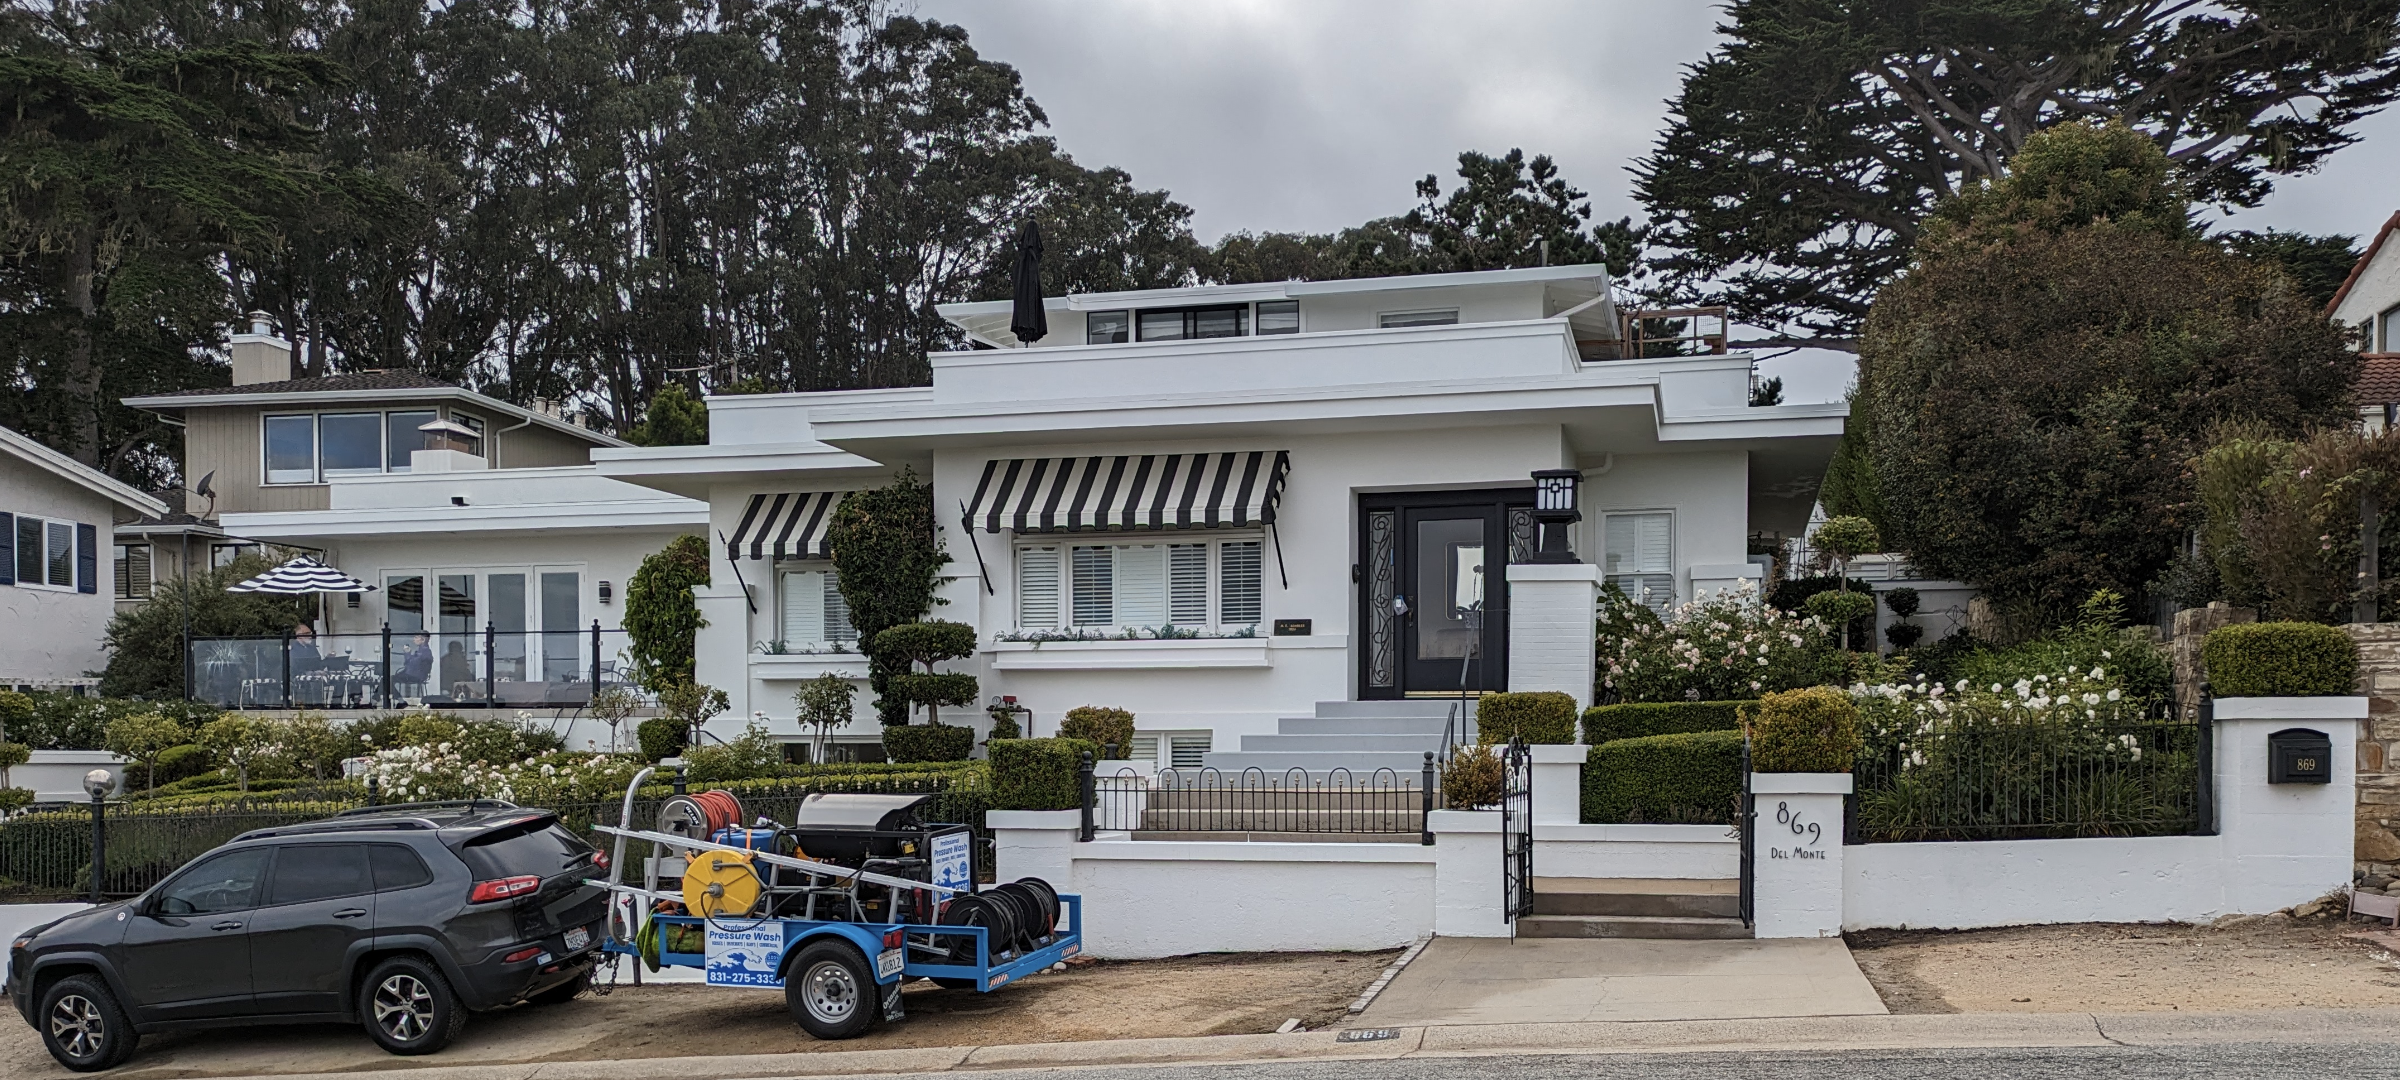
1577, 980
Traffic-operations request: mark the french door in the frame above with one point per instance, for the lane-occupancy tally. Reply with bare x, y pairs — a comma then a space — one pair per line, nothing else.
1433, 590
532, 613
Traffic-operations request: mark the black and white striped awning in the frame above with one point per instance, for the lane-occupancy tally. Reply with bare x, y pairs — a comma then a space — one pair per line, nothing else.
788, 526
302, 575
1134, 491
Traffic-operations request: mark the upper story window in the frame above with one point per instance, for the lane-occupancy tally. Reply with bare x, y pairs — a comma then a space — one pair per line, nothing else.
310, 448
1184, 324
1107, 327
1278, 317
2386, 335
1391, 320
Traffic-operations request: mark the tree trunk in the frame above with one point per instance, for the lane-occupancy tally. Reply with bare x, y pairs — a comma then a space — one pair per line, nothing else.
83, 367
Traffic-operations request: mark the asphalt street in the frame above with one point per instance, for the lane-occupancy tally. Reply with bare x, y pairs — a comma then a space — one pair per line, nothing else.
2238, 1061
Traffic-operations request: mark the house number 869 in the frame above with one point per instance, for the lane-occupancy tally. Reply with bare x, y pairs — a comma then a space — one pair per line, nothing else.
1784, 815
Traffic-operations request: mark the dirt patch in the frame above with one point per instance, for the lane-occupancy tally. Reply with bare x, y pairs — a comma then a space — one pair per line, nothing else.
1193, 995
2106, 967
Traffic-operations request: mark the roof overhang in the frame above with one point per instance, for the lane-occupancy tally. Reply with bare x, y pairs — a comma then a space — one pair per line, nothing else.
24, 448
496, 519
691, 471
177, 403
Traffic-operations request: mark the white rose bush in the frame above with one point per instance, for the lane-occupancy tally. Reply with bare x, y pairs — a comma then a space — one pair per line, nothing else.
1726, 646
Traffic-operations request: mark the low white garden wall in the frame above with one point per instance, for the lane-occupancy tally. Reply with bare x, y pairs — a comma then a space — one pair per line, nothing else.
57, 775
1635, 851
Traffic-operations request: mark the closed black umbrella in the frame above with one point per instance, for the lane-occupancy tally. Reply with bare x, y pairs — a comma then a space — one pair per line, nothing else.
1028, 322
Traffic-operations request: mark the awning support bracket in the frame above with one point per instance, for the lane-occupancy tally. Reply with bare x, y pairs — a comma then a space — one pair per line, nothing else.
966, 521
733, 559
1277, 535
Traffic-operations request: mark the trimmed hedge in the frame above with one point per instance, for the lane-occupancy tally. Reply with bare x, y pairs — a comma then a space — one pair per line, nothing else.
1541, 716
1473, 778
2280, 659
1687, 778
911, 743
1805, 731
1101, 725
1633, 720
1037, 774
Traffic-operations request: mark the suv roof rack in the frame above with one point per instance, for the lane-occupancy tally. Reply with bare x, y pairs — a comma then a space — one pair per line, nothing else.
335, 825
436, 804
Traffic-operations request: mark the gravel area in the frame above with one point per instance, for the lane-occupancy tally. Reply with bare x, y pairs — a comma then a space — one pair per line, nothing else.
2274, 962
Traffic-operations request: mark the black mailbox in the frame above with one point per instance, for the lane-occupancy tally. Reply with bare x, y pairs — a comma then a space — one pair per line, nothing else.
2299, 756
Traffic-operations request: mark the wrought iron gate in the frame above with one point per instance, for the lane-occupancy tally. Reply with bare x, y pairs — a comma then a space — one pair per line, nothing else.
1516, 830
1745, 822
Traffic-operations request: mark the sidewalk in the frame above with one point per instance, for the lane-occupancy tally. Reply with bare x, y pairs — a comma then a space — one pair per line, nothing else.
1965, 1030
1567, 980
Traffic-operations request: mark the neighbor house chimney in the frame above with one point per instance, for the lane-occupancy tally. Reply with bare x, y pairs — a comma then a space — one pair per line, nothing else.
259, 356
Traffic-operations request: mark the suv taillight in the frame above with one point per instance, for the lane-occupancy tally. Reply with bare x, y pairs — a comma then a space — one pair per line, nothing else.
503, 888
600, 859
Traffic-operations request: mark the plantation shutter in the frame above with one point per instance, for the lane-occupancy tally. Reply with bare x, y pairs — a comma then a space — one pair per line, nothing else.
837, 611
1141, 585
1186, 751
1241, 588
8, 549
1093, 586
1037, 587
1145, 748
1187, 584
804, 607
87, 558
1640, 557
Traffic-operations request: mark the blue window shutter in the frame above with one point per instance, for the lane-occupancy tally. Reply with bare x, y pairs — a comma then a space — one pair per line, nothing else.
87, 558
8, 549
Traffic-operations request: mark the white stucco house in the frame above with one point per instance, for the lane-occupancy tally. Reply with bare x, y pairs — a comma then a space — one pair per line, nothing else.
57, 524
1222, 506
2369, 303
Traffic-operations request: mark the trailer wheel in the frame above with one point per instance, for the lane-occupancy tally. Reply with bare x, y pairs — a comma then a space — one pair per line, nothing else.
831, 990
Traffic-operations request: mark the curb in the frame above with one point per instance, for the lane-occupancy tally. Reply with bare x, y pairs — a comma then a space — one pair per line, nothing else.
1390, 970
1778, 1034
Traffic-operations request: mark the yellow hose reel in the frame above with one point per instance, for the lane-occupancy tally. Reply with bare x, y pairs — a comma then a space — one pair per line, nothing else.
720, 883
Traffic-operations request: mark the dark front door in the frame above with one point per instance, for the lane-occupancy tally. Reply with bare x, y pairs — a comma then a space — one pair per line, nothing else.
1434, 589
186, 956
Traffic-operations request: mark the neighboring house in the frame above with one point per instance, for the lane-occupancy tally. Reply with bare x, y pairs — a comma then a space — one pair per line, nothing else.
481, 524
58, 519
1220, 506
2369, 302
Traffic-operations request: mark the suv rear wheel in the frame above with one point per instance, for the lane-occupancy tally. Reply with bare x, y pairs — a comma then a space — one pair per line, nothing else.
831, 990
83, 1026
408, 1006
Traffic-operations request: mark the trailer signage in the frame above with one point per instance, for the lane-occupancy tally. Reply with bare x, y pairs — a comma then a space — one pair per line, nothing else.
746, 955
953, 859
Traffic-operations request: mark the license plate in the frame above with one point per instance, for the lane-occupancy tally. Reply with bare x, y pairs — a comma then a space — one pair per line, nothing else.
887, 963
578, 938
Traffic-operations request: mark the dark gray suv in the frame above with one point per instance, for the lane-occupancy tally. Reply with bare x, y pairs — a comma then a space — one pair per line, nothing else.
402, 918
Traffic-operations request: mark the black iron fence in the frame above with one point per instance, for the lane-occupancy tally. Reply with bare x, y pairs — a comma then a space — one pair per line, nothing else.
46, 853
487, 668
2034, 781
1255, 804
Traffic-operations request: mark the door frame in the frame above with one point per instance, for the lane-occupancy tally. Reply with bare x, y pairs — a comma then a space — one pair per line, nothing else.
1513, 511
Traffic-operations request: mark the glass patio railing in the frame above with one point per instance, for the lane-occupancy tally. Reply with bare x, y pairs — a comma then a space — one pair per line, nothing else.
486, 669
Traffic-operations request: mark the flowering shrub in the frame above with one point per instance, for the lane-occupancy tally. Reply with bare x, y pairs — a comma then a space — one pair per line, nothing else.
1719, 648
442, 771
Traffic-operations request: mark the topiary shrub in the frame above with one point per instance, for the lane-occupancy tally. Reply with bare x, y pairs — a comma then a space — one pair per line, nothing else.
1036, 774
887, 560
1903, 601
1634, 720
2280, 659
1101, 726
1540, 716
927, 644
1903, 635
928, 742
1804, 731
1472, 779
1687, 778
661, 737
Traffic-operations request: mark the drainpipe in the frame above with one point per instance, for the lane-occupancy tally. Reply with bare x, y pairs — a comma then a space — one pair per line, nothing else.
491, 446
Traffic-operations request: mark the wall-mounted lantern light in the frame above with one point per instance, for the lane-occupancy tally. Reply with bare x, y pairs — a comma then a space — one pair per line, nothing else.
1554, 508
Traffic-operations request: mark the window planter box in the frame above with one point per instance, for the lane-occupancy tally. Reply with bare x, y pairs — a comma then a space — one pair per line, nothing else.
1250, 652
801, 666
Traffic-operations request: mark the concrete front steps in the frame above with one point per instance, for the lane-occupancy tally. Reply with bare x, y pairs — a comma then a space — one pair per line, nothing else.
1360, 737
1670, 908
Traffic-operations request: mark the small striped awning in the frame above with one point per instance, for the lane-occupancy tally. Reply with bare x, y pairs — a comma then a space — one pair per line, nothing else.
1133, 491
787, 526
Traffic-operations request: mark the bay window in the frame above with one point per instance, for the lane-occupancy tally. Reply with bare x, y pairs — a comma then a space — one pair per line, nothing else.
1198, 584
309, 448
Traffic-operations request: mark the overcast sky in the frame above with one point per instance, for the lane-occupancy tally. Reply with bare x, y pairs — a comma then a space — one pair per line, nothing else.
1309, 115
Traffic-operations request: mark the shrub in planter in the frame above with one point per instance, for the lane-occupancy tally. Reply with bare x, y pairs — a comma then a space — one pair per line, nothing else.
928, 742
2280, 659
1037, 774
1633, 720
1691, 777
1804, 731
1101, 726
1541, 716
1472, 779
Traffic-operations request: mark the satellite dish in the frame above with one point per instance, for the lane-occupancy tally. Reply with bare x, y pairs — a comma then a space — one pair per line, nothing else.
205, 489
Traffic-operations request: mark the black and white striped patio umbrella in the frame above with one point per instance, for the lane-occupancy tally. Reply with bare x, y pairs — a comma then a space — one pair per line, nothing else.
303, 575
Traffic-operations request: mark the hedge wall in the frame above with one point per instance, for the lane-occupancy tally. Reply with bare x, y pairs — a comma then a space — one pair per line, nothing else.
1690, 777
1541, 716
1608, 723
2279, 659
1037, 774
917, 743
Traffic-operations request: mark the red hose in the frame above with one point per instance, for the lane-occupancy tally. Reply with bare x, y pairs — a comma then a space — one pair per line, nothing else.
721, 808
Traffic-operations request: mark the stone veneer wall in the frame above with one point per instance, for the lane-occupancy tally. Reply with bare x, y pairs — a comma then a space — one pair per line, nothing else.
2379, 747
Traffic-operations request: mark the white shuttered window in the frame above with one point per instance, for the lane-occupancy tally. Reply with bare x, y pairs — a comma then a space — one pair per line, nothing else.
814, 614
1640, 557
1140, 585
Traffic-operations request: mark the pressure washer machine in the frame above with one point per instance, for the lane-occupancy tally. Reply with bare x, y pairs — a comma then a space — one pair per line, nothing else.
838, 908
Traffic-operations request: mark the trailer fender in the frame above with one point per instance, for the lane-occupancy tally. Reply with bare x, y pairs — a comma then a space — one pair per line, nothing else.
868, 940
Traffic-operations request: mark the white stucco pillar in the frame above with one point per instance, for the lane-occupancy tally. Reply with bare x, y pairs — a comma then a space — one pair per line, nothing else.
1466, 874
1034, 843
721, 651
1798, 854
2285, 844
1558, 783
1551, 609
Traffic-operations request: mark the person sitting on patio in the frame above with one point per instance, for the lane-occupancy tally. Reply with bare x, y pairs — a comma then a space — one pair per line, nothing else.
416, 663
305, 657
457, 667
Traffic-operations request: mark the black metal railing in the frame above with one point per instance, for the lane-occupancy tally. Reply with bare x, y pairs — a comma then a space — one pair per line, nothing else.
1256, 804
487, 668
2034, 781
